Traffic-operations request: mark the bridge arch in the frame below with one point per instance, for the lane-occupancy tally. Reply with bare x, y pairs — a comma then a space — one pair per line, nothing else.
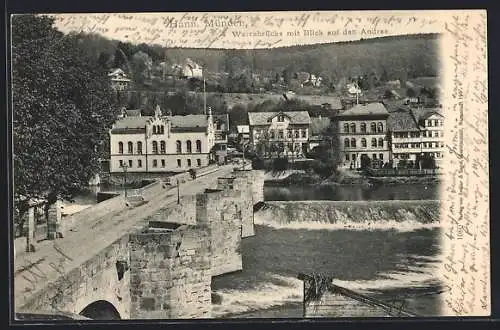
101, 310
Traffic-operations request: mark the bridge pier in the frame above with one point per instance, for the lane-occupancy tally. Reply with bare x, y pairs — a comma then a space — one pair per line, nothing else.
170, 273
244, 186
218, 211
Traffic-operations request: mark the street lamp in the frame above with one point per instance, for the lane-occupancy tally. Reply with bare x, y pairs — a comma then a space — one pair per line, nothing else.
125, 166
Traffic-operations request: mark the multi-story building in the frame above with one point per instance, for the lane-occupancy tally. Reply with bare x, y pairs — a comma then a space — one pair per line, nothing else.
416, 132
280, 132
161, 143
119, 80
362, 131
221, 129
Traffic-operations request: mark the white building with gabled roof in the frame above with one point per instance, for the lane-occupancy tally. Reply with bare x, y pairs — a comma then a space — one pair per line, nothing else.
161, 143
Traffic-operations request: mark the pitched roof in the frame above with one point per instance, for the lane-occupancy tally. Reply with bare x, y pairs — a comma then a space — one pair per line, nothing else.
243, 129
188, 123
262, 118
133, 113
375, 108
319, 126
424, 113
402, 120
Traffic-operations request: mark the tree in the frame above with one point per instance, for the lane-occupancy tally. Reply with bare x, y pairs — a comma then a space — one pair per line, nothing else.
141, 66
410, 92
388, 94
62, 109
366, 162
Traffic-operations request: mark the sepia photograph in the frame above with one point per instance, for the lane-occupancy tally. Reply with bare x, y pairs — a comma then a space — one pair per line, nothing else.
249, 165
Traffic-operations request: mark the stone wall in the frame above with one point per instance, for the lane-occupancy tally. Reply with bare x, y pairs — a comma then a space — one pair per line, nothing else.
170, 273
218, 211
94, 280
183, 213
244, 186
256, 177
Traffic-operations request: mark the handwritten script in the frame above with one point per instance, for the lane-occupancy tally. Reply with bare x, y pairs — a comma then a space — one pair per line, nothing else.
466, 267
247, 30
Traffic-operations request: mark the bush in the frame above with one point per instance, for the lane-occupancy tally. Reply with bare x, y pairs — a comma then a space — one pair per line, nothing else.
258, 163
280, 164
323, 169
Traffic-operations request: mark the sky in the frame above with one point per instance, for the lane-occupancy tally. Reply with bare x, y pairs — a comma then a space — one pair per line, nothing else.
252, 29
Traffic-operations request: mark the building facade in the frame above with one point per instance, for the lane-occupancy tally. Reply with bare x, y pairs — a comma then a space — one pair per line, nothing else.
416, 133
161, 143
119, 80
362, 131
274, 133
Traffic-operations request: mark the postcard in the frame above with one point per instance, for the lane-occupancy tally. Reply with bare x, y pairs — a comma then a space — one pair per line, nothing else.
221, 165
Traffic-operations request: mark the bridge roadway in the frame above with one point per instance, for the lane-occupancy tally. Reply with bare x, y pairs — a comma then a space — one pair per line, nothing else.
88, 235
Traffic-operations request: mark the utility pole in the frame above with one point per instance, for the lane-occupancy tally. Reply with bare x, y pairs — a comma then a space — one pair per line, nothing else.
178, 192
204, 97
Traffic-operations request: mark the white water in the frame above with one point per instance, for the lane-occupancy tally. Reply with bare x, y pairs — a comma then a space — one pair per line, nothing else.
264, 296
405, 226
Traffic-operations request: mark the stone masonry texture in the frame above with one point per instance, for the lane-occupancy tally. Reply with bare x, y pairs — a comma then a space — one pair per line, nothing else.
244, 186
170, 274
219, 212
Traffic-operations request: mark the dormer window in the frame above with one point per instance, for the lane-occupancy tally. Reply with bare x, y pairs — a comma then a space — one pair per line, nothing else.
281, 118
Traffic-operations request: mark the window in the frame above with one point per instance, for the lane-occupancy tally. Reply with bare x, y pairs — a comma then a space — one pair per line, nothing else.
436, 134
198, 162
353, 128
363, 128
155, 147
139, 147
381, 142
347, 157
374, 142
163, 148
121, 163
346, 128
163, 163
155, 163
198, 146
281, 118
363, 142
373, 128
154, 129
381, 156
289, 133
178, 146
353, 157
290, 146
130, 147
179, 164
304, 133
435, 122
374, 156
346, 143
189, 149
280, 134
162, 129
297, 134
353, 143
380, 127
120, 147
130, 163
442, 133
189, 162
272, 134
139, 163
424, 134
429, 123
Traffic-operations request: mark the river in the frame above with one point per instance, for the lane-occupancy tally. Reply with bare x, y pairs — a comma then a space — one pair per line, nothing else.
396, 266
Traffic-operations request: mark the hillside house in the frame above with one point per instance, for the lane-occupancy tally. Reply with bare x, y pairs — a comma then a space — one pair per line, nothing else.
119, 80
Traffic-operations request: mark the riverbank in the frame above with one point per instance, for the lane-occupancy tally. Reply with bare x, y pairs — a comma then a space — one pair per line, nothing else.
297, 177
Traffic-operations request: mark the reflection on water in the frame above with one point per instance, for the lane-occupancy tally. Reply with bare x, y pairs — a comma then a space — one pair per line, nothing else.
352, 192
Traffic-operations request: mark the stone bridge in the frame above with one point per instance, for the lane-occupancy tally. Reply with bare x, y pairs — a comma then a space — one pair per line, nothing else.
149, 260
